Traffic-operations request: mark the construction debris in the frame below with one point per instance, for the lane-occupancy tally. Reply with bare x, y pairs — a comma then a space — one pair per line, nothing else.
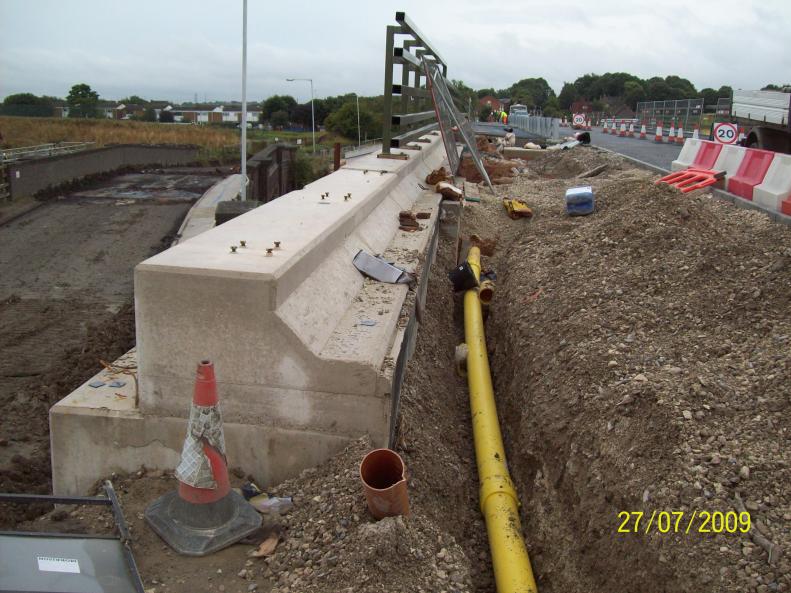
495, 167
517, 208
594, 172
437, 175
449, 191
407, 221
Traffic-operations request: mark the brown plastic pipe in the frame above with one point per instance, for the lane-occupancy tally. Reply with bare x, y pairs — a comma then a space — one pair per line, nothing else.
383, 475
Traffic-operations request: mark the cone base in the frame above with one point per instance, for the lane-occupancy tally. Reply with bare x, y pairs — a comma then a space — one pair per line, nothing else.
201, 529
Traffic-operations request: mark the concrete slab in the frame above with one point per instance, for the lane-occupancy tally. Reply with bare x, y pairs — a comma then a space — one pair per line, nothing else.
94, 433
200, 218
526, 154
301, 369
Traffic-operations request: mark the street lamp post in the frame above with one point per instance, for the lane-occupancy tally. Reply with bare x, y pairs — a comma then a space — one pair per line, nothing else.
312, 112
358, 120
243, 188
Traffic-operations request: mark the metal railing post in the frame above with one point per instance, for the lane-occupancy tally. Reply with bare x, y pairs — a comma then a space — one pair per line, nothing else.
387, 103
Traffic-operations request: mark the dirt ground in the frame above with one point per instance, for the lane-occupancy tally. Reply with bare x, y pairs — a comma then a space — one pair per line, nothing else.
640, 359
66, 302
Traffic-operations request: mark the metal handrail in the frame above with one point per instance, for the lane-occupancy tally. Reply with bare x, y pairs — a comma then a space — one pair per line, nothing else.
401, 129
42, 150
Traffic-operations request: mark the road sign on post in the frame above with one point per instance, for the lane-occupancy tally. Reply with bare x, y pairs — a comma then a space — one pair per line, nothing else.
578, 120
726, 133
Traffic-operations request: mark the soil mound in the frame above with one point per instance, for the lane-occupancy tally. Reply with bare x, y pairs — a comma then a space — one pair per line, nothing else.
641, 360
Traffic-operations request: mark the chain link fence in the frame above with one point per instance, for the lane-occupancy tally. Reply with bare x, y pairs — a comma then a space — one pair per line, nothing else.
687, 113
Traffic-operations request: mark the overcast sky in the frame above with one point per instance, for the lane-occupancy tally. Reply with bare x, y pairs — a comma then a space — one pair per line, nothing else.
175, 49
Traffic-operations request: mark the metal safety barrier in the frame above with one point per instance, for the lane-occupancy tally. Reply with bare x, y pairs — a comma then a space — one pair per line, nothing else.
546, 127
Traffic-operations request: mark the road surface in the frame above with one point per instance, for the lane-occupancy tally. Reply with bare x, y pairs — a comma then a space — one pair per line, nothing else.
648, 151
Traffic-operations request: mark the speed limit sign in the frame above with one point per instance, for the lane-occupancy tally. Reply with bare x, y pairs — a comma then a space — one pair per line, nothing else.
726, 133
579, 119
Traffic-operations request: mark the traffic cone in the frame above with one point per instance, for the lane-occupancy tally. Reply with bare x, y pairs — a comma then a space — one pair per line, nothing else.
631, 129
642, 131
680, 134
695, 132
588, 126
658, 135
742, 135
604, 129
622, 130
203, 515
672, 134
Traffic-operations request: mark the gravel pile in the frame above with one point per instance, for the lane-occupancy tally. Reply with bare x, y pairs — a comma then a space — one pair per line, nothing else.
641, 357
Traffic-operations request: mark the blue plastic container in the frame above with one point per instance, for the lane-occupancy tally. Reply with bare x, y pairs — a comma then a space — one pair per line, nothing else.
580, 201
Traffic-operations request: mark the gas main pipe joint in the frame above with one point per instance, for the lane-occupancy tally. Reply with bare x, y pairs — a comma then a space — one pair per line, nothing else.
499, 502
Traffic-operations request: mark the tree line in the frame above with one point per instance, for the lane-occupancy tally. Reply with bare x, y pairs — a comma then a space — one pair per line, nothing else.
606, 92
339, 113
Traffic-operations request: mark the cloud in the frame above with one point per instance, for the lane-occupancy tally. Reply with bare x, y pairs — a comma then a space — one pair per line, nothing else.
180, 48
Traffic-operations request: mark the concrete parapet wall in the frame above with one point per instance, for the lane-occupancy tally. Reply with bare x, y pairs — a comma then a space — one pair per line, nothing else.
299, 373
27, 178
271, 172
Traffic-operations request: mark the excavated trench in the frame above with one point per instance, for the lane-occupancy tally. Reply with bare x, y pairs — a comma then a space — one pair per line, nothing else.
635, 355
635, 369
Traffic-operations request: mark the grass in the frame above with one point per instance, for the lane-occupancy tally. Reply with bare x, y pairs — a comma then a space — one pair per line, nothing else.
29, 131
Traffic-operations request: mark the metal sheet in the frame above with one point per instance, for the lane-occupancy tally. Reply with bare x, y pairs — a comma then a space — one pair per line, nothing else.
379, 269
76, 564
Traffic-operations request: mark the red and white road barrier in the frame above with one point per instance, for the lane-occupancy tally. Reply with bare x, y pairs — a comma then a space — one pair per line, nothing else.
761, 176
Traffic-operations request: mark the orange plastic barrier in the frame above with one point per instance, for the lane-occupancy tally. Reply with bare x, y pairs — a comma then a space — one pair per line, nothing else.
692, 179
751, 172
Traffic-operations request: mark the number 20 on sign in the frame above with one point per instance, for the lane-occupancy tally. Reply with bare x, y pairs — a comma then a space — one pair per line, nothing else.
726, 133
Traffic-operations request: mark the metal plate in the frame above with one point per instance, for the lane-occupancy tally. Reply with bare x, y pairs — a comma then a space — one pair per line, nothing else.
46, 564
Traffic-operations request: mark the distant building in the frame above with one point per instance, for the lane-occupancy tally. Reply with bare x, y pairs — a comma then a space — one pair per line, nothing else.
200, 114
581, 106
491, 101
216, 114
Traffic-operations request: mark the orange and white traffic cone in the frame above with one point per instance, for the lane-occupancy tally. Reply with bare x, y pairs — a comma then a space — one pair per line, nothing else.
588, 125
631, 129
658, 134
742, 135
680, 134
695, 132
671, 136
203, 515
642, 131
622, 129
604, 129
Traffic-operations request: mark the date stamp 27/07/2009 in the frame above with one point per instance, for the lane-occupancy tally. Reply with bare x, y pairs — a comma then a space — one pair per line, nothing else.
684, 522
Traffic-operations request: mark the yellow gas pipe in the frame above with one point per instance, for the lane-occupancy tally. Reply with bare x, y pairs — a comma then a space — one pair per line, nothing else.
499, 504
